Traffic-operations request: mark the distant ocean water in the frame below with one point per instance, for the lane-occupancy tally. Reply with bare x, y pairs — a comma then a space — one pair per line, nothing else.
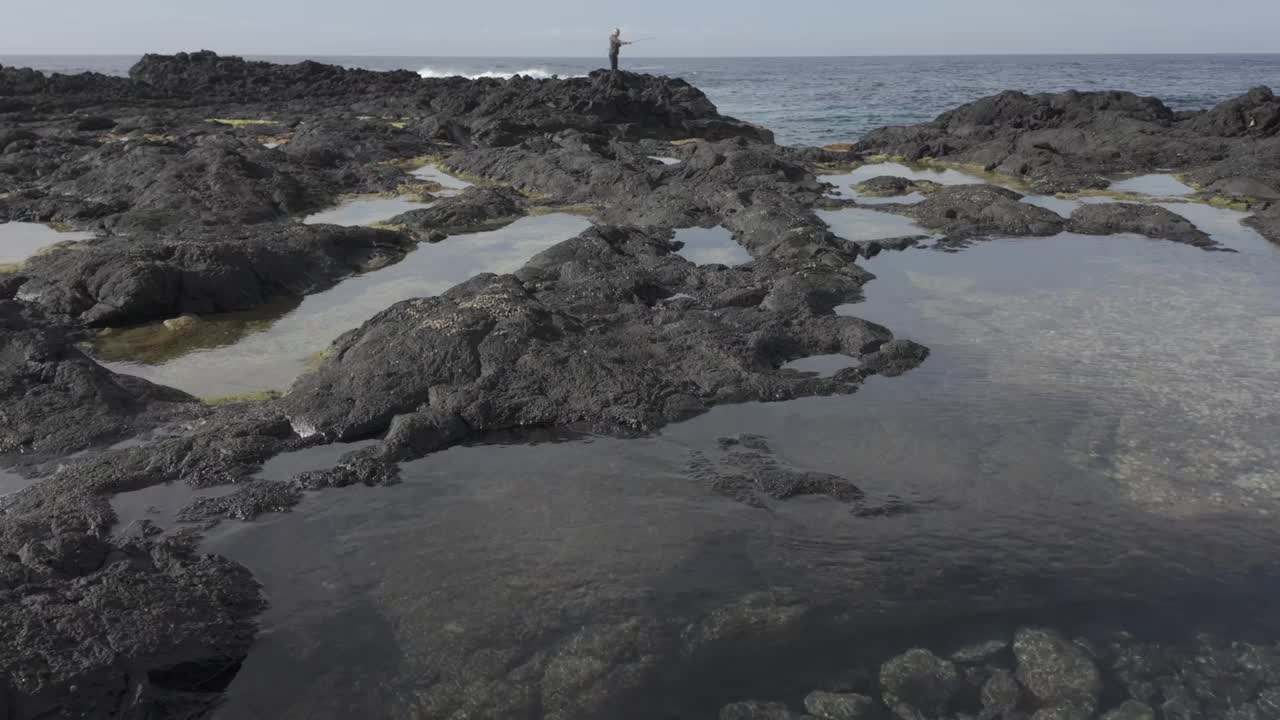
821, 100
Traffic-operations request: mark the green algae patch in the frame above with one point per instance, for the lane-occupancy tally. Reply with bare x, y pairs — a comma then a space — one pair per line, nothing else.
159, 342
580, 209
424, 191
399, 124
395, 227
1118, 195
1229, 203
839, 147
415, 163
241, 122
256, 396
9, 268
1185, 179
684, 141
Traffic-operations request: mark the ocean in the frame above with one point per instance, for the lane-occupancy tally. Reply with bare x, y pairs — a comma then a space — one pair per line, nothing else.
822, 100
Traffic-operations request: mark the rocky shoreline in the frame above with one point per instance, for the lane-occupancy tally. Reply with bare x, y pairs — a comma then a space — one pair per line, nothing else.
193, 174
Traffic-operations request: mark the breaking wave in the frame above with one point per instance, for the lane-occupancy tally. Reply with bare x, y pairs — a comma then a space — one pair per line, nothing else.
536, 73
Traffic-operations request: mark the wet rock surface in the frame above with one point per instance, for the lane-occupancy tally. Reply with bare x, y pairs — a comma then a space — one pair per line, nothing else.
894, 186
126, 280
55, 401
477, 208
966, 211
1074, 141
610, 330
542, 346
1149, 220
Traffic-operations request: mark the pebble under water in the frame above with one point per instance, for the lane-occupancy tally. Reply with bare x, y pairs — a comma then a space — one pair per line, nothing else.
1089, 447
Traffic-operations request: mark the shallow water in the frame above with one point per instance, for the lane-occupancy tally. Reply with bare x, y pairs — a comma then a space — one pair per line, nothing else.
822, 365
159, 504
706, 246
21, 240
1062, 206
365, 211
862, 224
12, 482
248, 352
1090, 442
844, 182
666, 160
1153, 185
452, 185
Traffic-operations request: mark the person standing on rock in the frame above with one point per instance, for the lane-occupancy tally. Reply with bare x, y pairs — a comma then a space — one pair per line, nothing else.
615, 46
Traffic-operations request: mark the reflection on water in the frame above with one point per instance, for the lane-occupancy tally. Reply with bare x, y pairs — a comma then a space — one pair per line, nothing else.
158, 504
707, 246
863, 224
1153, 185
822, 365
365, 211
158, 343
21, 240
1062, 206
666, 160
844, 182
1091, 440
12, 482
273, 355
432, 172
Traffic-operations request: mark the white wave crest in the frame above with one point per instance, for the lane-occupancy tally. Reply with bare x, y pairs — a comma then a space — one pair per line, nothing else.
536, 73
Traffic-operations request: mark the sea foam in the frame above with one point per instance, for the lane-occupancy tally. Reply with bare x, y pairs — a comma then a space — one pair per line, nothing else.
536, 73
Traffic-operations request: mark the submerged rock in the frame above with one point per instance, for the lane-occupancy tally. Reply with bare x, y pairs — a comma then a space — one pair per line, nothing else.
919, 685
752, 710
1152, 221
1001, 694
1056, 671
1130, 710
842, 706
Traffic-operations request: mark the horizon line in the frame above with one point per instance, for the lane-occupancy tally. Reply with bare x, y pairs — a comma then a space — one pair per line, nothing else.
1109, 53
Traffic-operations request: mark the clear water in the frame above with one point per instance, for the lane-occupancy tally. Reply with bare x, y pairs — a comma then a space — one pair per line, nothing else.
821, 100
269, 348
11, 482
433, 173
1153, 185
21, 240
844, 182
822, 365
364, 211
706, 246
863, 224
1090, 441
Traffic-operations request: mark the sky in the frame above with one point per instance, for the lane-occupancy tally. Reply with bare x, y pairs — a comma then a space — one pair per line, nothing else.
660, 28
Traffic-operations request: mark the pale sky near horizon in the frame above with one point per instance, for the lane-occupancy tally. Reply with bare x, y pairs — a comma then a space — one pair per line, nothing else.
680, 28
